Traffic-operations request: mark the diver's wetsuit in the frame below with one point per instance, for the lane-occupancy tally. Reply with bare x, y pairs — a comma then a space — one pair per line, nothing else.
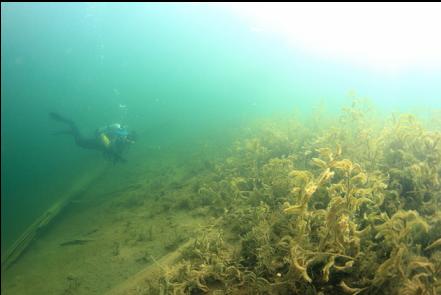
87, 143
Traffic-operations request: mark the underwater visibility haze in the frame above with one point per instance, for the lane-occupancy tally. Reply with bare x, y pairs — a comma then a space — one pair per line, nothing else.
214, 148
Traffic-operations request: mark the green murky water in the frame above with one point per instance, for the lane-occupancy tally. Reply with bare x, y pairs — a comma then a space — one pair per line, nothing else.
314, 174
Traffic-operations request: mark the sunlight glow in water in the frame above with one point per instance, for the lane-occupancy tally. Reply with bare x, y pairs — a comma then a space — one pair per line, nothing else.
387, 37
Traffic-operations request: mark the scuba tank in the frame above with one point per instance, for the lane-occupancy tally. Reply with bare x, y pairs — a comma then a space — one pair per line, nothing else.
105, 140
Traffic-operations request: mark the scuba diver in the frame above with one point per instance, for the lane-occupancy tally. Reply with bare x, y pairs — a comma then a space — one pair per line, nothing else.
112, 140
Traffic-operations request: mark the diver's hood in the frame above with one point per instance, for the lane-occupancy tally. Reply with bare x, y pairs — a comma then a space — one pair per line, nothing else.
115, 126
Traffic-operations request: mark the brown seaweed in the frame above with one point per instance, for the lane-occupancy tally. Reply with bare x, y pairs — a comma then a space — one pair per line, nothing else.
347, 208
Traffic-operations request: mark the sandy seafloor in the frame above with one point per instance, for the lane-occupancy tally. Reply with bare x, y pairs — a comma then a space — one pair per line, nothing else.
116, 228
276, 208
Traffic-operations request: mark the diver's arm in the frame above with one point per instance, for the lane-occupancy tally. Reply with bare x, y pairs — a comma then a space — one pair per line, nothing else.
115, 156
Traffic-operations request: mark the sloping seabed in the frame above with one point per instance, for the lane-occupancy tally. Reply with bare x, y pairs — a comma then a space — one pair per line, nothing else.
346, 205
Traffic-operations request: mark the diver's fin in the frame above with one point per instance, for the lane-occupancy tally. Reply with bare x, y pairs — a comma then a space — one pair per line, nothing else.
59, 118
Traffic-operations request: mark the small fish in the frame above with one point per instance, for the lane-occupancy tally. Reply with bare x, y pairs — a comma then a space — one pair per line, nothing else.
76, 242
